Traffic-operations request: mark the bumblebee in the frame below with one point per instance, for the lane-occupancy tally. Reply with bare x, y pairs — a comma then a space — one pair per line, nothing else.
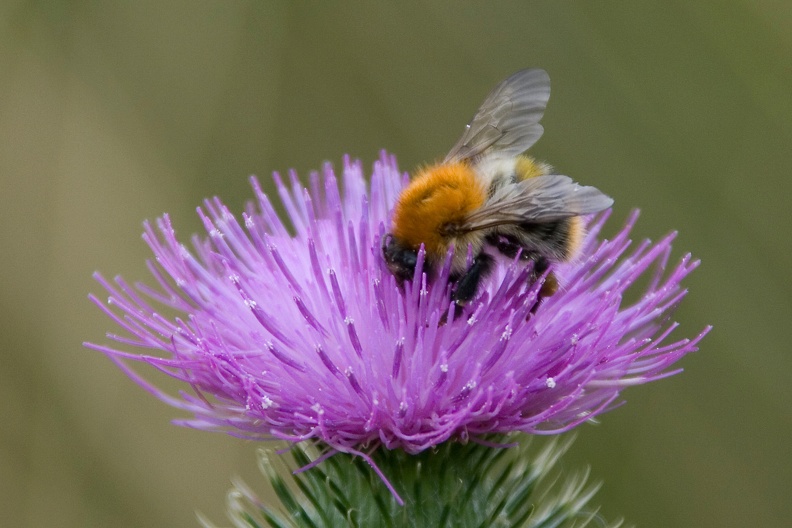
486, 195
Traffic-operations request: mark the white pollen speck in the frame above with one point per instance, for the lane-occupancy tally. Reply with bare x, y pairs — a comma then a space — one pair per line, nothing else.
250, 303
317, 409
444, 367
349, 321
506, 333
181, 283
423, 293
376, 282
403, 406
234, 278
574, 339
550, 382
472, 320
470, 385
215, 233
266, 402
249, 222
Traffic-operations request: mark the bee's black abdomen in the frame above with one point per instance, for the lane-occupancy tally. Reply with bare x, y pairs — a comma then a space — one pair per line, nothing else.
551, 239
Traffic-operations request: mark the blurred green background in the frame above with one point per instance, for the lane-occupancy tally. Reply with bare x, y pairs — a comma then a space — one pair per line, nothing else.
115, 112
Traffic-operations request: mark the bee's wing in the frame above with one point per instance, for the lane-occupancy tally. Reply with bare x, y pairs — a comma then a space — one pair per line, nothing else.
536, 200
508, 120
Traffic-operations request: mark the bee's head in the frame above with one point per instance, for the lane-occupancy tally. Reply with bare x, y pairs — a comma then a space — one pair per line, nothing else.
401, 260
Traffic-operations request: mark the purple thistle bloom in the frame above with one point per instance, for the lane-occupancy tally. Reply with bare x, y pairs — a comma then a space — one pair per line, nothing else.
310, 337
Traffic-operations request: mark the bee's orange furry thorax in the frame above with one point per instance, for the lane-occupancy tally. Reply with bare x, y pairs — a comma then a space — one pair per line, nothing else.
440, 195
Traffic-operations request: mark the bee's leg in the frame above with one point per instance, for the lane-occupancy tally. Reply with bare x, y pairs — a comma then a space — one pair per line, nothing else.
509, 247
549, 286
467, 284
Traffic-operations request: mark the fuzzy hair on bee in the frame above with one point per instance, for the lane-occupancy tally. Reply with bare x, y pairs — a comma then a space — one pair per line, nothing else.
489, 197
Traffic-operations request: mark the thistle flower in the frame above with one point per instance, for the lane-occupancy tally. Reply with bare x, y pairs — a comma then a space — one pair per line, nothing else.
307, 336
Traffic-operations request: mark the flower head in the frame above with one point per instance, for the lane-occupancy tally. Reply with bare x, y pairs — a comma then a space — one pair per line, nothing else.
308, 336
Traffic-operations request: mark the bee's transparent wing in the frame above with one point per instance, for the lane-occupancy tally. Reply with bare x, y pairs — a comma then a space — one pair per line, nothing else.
537, 200
508, 120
